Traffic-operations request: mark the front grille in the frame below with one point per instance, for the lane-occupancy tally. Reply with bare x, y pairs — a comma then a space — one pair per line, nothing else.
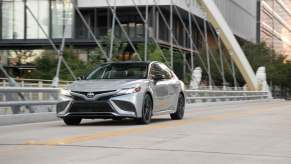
90, 107
77, 98
95, 93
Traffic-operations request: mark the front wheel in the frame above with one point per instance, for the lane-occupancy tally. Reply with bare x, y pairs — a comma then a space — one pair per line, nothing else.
179, 114
72, 121
146, 110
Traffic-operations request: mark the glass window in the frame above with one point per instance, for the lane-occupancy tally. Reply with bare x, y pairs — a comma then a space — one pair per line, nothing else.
125, 28
167, 71
119, 71
156, 70
131, 30
62, 14
7, 20
57, 19
12, 20
160, 69
139, 30
40, 10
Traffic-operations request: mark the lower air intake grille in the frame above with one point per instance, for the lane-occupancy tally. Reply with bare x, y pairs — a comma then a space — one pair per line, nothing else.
89, 107
125, 105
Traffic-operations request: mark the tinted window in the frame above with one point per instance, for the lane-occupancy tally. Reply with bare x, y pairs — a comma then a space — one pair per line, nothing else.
160, 69
166, 70
119, 71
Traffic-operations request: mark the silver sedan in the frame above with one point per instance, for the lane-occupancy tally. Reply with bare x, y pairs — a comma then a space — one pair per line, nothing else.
120, 90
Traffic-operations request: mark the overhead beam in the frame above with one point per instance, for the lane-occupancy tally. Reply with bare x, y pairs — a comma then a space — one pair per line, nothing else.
217, 20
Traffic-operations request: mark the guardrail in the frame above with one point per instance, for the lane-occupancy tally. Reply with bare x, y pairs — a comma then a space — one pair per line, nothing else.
193, 96
15, 98
219, 88
39, 83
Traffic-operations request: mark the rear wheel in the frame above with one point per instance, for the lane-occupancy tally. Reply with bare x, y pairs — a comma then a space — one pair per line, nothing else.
146, 110
72, 121
179, 114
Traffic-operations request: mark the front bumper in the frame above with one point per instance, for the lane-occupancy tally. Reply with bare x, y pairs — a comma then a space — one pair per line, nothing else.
125, 106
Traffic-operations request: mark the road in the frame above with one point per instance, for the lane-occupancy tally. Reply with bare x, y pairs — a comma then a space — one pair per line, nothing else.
236, 133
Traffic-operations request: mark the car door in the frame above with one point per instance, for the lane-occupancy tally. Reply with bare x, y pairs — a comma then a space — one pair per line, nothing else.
173, 87
160, 88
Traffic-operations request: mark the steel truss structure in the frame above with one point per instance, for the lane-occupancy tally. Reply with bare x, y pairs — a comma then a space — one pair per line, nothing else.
222, 33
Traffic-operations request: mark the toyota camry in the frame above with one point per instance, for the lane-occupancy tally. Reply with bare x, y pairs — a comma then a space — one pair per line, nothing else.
121, 90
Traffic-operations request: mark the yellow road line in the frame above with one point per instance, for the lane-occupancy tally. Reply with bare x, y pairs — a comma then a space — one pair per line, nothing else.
123, 132
136, 130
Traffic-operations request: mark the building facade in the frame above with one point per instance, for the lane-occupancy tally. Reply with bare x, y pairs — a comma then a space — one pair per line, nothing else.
19, 29
276, 25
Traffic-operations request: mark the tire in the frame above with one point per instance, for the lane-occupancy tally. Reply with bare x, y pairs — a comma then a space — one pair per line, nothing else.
147, 110
179, 114
72, 121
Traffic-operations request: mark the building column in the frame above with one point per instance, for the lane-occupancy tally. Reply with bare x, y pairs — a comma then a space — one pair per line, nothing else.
171, 35
146, 32
1, 14
258, 21
50, 20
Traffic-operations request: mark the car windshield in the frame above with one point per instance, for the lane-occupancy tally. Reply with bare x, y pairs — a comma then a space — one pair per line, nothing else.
120, 71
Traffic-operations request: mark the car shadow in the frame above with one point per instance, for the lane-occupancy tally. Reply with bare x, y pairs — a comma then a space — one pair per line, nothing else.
125, 122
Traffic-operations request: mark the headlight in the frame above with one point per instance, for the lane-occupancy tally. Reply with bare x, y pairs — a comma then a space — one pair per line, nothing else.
66, 92
126, 91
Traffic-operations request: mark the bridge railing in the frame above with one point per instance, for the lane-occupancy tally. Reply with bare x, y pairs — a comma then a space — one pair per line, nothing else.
38, 83
33, 96
194, 96
17, 100
220, 88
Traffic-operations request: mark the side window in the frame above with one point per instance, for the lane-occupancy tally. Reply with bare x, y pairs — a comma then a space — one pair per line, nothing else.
155, 70
161, 69
166, 71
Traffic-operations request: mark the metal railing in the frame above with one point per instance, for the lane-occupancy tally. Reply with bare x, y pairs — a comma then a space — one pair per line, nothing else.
193, 96
219, 88
39, 83
16, 100
16, 96
13, 100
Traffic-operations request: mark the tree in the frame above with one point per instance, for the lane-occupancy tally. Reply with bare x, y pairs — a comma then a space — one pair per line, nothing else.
23, 55
278, 72
47, 63
261, 55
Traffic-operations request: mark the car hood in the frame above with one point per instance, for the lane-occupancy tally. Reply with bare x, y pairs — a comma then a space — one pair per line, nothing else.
103, 85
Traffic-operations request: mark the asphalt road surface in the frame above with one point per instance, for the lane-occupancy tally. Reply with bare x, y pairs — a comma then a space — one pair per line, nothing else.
249, 132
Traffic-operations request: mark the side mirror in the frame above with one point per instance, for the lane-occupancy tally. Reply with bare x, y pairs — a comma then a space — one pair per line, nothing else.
158, 77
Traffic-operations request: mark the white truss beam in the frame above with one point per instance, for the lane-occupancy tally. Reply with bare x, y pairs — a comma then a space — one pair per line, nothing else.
217, 20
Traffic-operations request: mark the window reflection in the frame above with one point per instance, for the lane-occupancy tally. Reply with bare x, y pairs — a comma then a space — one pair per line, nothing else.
40, 10
62, 14
12, 20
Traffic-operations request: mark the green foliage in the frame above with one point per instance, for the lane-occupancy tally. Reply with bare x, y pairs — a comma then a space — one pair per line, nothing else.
163, 55
278, 72
154, 52
117, 48
260, 55
215, 67
47, 63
